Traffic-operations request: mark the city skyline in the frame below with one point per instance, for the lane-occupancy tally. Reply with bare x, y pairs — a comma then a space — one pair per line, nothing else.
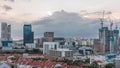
49, 15
59, 34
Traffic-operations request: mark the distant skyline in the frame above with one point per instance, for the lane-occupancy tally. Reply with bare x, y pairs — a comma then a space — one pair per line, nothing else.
18, 12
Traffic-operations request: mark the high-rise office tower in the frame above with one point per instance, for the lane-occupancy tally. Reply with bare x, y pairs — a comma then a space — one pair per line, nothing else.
28, 34
5, 32
48, 36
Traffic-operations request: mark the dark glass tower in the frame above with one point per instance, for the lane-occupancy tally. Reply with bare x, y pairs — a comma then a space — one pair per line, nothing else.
28, 34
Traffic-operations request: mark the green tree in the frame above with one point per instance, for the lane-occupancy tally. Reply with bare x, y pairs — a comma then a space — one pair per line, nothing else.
94, 65
110, 65
15, 58
87, 60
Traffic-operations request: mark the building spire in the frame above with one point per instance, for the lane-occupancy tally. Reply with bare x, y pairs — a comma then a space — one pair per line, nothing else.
102, 18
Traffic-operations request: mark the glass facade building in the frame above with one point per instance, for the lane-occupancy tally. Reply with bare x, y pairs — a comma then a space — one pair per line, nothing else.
28, 34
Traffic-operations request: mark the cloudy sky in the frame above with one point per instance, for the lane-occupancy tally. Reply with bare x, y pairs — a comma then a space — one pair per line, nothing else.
69, 18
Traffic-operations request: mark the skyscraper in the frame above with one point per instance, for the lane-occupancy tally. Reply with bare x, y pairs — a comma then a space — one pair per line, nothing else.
28, 34
5, 32
48, 36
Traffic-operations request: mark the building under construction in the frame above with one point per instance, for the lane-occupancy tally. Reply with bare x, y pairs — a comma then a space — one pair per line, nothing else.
109, 39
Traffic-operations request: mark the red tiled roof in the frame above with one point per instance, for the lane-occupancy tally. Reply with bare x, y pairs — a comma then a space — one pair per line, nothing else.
35, 63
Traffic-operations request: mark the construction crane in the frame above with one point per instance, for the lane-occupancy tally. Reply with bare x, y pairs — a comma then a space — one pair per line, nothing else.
111, 24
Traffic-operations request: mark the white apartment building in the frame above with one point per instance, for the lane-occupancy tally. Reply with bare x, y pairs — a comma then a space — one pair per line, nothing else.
53, 49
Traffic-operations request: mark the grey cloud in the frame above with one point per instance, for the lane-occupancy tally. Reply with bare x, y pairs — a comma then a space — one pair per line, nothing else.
67, 24
64, 24
7, 7
25, 0
83, 11
10, 0
16, 0
98, 12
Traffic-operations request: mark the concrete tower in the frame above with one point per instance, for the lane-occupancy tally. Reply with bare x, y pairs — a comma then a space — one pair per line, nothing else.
5, 32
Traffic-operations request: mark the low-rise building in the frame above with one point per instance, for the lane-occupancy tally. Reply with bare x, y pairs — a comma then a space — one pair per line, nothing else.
54, 49
86, 50
61, 53
30, 46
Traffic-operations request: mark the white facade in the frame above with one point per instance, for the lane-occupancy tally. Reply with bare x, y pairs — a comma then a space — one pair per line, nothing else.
8, 49
52, 49
49, 45
24, 66
26, 55
63, 51
20, 42
30, 45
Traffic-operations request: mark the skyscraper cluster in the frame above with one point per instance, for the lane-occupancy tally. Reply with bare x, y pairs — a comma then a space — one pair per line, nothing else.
109, 38
28, 34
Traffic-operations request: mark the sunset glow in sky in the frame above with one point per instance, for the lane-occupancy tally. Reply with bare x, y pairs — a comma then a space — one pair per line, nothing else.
29, 11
